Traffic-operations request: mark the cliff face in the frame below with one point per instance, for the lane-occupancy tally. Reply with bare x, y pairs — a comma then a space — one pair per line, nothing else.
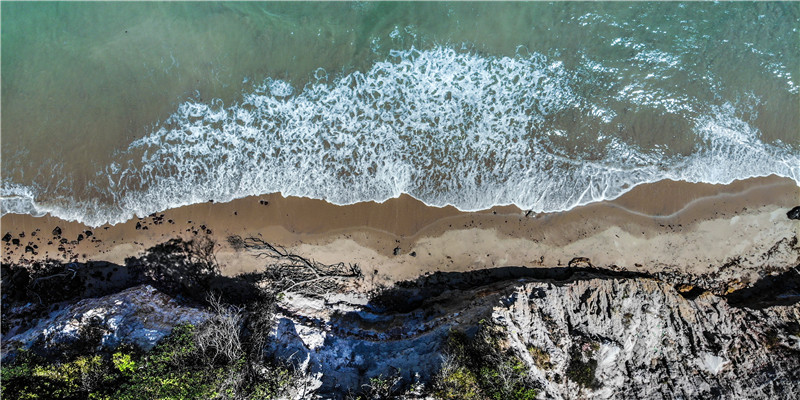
588, 336
140, 315
647, 341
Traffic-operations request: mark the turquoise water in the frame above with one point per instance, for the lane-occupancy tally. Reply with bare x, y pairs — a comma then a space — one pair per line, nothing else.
112, 110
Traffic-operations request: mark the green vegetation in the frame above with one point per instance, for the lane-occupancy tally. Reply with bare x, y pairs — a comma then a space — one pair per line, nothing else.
540, 357
174, 369
482, 367
582, 366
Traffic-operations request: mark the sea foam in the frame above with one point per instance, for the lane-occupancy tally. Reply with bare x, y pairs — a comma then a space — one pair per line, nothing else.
447, 127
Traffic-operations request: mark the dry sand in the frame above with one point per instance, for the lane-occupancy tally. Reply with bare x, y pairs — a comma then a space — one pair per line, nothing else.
664, 226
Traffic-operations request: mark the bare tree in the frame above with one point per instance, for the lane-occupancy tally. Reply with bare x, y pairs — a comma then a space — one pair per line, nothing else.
219, 336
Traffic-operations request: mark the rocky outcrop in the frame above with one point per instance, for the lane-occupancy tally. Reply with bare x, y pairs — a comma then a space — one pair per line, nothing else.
581, 333
587, 336
139, 315
647, 341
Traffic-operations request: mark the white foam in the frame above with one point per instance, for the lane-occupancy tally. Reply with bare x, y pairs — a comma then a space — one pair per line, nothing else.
447, 127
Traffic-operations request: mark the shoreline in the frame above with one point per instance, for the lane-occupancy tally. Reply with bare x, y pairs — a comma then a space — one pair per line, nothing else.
667, 226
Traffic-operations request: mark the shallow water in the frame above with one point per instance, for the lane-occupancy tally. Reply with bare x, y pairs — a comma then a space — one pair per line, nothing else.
116, 109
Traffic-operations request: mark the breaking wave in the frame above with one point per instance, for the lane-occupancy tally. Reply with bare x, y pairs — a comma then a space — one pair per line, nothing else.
447, 127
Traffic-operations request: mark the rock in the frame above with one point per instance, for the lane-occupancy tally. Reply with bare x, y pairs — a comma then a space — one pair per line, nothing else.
140, 315
138, 226
57, 231
580, 262
88, 233
684, 288
642, 335
794, 213
15, 242
7, 237
80, 237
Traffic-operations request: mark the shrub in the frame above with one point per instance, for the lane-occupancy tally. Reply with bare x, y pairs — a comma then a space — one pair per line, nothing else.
540, 357
456, 382
123, 363
582, 371
482, 367
175, 369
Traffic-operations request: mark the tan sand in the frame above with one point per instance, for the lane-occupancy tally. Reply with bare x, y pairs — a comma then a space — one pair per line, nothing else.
664, 226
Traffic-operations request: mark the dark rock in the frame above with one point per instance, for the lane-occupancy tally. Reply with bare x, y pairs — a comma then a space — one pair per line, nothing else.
138, 226
80, 237
22, 234
794, 213
63, 240
580, 262
7, 237
15, 242
29, 249
413, 254
396, 250
88, 233
57, 231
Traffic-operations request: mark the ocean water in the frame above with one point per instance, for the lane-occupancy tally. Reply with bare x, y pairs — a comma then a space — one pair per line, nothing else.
114, 110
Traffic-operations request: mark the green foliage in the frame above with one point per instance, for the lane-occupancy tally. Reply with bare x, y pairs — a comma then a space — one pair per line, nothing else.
29, 377
582, 371
482, 368
459, 383
123, 363
540, 357
174, 369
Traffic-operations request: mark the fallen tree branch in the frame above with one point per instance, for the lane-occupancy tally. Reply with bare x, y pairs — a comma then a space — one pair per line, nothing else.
291, 272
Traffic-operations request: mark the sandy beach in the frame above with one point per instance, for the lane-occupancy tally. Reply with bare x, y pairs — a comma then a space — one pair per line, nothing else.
666, 226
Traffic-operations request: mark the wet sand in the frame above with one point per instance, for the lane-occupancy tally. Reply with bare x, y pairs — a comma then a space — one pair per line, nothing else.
665, 226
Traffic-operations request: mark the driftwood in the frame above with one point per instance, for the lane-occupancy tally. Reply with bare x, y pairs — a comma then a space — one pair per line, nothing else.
288, 272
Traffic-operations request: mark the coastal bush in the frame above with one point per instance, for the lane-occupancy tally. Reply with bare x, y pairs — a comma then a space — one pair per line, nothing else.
175, 368
221, 358
582, 367
482, 367
379, 387
540, 357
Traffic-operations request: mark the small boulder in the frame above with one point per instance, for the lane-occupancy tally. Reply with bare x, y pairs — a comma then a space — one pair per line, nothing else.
580, 262
794, 213
57, 231
7, 237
